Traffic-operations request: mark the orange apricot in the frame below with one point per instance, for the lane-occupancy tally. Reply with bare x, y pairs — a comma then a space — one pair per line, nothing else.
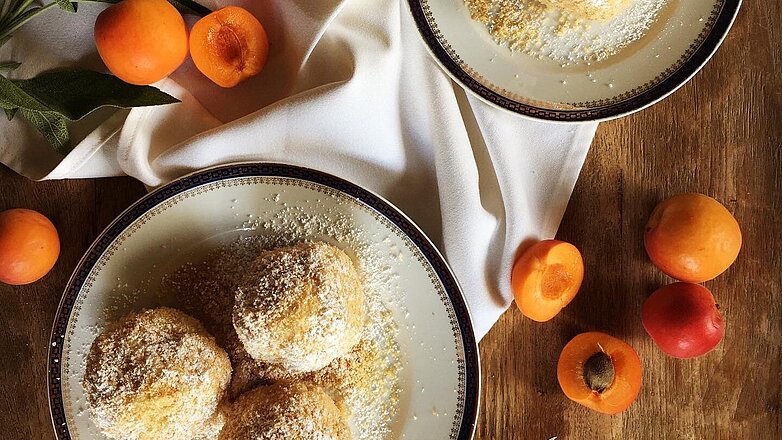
692, 237
600, 372
229, 46
29, 246
141, 41
546, 277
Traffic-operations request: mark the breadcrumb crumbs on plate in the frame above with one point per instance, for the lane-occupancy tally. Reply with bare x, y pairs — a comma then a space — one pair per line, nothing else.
566, 31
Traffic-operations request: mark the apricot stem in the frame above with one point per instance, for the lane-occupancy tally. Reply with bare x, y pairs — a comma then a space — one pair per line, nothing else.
599, 372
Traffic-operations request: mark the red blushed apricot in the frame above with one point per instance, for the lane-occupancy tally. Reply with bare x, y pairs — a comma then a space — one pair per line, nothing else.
141, 41
683, 320
546, 278
29, 246
229, 46
600, 372
692, 237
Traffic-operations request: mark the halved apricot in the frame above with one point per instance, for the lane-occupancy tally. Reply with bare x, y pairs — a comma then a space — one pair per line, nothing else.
229, 46
600, 372
546, 278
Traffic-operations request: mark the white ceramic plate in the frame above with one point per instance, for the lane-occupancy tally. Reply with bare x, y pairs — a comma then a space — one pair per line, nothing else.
683, 38
209, 208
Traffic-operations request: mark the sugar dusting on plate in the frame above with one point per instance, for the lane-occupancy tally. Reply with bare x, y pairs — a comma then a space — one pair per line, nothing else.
548, 32
364, 383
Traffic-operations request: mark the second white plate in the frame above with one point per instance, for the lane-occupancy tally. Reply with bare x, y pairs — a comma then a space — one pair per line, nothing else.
683, 38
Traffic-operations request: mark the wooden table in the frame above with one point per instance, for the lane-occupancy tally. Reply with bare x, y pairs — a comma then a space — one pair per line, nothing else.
721, 134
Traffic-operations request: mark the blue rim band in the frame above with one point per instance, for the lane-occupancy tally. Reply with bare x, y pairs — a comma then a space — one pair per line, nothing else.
104, 240
665, 87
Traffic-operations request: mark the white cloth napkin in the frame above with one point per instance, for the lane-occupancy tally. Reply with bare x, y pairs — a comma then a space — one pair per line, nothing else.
349, 89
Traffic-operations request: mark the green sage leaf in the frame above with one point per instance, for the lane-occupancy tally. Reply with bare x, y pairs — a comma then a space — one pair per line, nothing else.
7, 8
12, 97
190, 7
52, 126
66, 5
75, 93
49, 124
19, 20
184, 6
9, 66
4, 40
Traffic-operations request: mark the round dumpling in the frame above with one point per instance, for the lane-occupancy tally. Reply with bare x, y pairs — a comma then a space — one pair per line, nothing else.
285, 411
156, 374
300, 307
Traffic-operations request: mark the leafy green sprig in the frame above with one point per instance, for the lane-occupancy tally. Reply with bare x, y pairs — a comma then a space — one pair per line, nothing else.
51, 99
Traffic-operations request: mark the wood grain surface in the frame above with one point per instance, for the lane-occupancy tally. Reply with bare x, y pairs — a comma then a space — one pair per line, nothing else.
721, 134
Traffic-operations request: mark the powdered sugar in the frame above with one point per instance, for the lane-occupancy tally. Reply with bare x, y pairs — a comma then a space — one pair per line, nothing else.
364, 383
156, 374
543, 29
299, 306
289, 411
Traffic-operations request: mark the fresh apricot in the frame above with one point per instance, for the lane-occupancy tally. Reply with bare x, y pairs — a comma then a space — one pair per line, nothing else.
546, 277
141, 41
683, 320
600, 372
29, 246
229, 46
692, 237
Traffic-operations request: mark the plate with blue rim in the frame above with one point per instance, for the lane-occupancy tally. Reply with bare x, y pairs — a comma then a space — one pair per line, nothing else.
539, 75
120, 272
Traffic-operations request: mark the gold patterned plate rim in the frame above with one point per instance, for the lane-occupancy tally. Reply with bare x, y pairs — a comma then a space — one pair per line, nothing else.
440, 274
697, 54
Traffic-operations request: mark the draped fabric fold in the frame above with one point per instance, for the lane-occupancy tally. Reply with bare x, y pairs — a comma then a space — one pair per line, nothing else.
351, 90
